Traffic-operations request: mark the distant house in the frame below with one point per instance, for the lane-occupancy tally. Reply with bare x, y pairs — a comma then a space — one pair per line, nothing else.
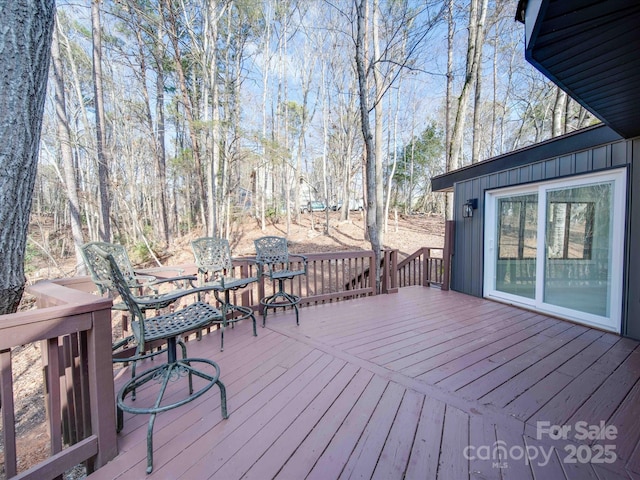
555, 227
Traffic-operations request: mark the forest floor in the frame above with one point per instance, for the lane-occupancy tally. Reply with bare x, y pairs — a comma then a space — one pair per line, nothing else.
405, 233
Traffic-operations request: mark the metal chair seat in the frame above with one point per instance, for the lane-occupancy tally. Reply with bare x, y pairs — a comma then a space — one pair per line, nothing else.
191, 317
287, 274
230, 283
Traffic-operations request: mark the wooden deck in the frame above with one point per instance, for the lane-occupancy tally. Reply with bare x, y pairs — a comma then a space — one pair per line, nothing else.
401, 386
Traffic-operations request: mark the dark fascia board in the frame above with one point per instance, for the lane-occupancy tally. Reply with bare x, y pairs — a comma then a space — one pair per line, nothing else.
586, 138
521, 10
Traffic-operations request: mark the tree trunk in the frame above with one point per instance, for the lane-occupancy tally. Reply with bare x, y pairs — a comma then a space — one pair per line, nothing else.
394, 165
214, 136
558, 117
158, 53
477, 15
261, 173
188, 108
378, 132
64, 136
370, 160
449, 105
23, 86
161, 154
477, 114
103, 165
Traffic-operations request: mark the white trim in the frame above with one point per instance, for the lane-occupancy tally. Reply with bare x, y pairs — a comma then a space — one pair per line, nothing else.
612, 322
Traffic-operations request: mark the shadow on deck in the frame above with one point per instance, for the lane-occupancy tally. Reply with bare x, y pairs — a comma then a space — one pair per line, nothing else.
422, 384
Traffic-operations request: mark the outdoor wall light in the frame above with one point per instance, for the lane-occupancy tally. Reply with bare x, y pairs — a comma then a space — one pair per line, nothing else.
469, 207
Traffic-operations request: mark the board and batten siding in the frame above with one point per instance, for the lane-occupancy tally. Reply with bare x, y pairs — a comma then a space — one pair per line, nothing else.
467, 264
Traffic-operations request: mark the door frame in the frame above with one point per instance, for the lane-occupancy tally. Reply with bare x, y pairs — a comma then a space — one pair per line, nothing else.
613, 322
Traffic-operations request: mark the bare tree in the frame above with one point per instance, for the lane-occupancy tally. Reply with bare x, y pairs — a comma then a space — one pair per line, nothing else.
148, 34
477, 16
64, 136
373, 227
395, 56
98, 89
172, 31
450, 165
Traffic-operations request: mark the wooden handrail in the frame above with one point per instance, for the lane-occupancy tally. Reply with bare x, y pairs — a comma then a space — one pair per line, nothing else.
65, 317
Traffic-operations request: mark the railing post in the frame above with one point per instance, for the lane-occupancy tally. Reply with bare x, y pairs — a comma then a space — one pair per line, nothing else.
372, 274
447, 253
244, 273
384, 271
101, 390
8, 417
392, 271
260, 292
426, 267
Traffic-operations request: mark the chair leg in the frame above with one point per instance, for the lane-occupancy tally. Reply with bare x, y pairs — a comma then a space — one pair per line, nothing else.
167, 373
152, 420
119, 418
184, 357
223, 399
253, 318
222, 325
264, 315
271, 302
133, 374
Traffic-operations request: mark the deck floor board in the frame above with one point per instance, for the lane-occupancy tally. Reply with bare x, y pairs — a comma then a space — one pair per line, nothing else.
394, 386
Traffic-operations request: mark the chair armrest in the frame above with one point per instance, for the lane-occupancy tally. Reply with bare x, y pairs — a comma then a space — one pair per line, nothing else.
185, 278
143, 279
304, 260
149, 301
187, 282
261, 267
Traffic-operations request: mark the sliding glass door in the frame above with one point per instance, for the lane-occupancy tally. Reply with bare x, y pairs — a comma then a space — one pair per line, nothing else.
517, 232
557, 247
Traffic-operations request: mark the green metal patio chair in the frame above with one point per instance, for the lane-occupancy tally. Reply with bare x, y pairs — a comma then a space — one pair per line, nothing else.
169, 327
146, 285
215, 269
273, 259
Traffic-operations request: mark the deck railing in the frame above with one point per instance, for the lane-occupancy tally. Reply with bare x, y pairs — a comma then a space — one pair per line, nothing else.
330, 277
429, 265
74, 329
423, 267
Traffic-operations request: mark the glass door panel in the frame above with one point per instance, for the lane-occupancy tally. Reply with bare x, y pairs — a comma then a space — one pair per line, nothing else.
517, 226
578, 247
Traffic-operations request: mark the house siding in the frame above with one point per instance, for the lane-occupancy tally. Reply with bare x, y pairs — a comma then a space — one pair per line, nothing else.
631, 308
467, 264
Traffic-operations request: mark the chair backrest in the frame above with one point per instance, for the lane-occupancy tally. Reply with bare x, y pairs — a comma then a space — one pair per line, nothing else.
97, 268
272, 250
108, 269
213, 256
